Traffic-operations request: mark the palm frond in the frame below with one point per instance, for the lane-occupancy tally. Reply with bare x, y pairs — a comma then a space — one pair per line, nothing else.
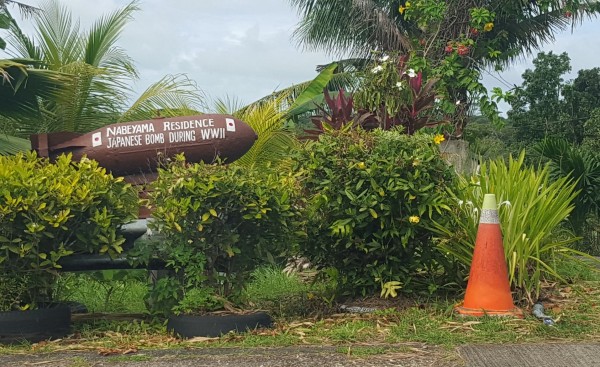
13, 145
26, 10
21, 45
103, 35
582, 167
22, 86
58, 35
268, 121
173, 95
350, 27
227, 105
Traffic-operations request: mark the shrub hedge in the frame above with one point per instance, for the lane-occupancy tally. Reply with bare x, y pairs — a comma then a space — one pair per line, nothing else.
371, 197
52, 210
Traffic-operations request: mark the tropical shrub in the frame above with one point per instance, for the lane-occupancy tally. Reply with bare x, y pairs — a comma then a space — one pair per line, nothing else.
583, 167
370, 197
337, 113
52, 210
532, 210
218, 223
396, 94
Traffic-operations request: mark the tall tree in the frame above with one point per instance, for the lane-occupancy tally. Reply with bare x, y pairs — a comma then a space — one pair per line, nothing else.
581, 98
538, 108
480, 32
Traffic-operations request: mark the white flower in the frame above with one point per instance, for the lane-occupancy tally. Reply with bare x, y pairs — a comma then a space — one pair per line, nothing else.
377, 69
399, 85
384, 58
411, 73
460, 202
458, 102
437, 100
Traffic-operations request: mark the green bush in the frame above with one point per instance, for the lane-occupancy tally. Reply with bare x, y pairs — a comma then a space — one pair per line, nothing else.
371, 197
219, 223
51, 210
532, 209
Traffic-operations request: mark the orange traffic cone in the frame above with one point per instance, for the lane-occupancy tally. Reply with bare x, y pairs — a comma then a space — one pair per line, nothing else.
488, 290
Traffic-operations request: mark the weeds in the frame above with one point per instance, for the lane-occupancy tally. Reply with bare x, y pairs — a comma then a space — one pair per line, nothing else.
105, 291
285, 295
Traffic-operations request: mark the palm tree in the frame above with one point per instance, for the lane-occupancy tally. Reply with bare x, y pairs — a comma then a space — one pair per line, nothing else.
357, 27
101, 73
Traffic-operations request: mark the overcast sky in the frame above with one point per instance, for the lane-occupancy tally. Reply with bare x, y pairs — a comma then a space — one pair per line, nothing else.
244, 48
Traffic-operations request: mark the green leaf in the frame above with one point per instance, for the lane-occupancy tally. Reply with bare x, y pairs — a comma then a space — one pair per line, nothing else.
314, 89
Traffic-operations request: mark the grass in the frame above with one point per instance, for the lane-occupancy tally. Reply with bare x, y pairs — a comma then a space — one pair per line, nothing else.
575, 307
106, 290
284, 294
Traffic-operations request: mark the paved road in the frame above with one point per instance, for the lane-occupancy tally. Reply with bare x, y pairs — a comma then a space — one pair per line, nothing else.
408, 355
309, 356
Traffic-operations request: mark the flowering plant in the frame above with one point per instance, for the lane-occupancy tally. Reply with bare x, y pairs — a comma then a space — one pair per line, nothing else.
397, 94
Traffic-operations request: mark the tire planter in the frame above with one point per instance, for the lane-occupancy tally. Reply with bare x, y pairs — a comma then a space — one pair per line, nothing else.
189, 326
35, 325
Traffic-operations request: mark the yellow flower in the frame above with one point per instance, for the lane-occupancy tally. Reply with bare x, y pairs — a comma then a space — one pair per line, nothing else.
414, 219
416, 162
361, 165
488, 26
402, 8
438, 138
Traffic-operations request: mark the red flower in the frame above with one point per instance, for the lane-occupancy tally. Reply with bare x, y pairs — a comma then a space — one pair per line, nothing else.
474, 31
449, 48
463, 50
568, 14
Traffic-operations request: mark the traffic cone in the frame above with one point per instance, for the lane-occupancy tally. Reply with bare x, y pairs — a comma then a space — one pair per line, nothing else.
488, 290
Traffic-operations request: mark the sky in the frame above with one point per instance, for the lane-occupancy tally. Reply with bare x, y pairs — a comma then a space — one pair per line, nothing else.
244, 49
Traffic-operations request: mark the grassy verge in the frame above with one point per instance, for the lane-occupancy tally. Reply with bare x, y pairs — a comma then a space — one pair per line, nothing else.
575, 307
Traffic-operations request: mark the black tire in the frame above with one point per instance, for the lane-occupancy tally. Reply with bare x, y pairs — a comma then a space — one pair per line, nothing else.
188, 326
35, 325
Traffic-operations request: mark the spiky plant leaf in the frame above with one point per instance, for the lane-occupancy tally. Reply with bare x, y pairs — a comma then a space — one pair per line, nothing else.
173, 95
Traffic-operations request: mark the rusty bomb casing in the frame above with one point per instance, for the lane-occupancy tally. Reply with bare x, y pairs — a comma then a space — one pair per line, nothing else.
134, 148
